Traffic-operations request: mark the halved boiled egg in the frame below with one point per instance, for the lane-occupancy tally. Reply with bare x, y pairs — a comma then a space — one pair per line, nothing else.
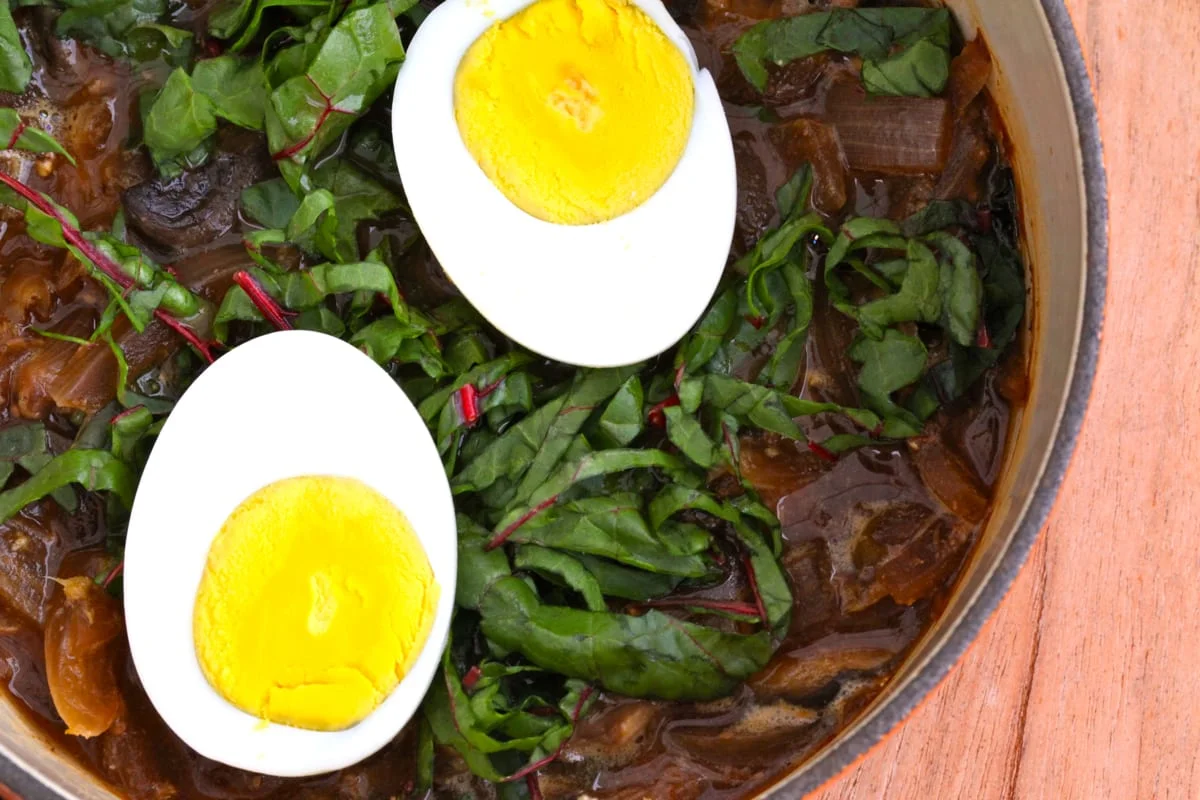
290, 561
571, 167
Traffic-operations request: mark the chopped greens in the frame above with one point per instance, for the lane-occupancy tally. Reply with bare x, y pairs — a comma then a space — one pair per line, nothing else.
589, 522
20, 135
315, 96
139, 288
905, 51
15, 66
967, 282
93, 470
182, 117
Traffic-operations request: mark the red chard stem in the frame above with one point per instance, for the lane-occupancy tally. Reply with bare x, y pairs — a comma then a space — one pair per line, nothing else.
265, 304
728, 606
502, 537
468, 402
656, 415
74, 237
822, 453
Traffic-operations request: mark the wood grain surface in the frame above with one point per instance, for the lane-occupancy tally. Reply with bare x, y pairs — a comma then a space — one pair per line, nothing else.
1086, 683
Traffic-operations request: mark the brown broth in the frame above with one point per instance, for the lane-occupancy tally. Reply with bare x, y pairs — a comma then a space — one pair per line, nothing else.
873, 543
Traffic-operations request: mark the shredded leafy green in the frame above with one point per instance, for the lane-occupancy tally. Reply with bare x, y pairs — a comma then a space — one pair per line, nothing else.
905, 51
92, 470
23, 136
137, 29
315, 96
587, 530
15, 67
182, 118
936, 269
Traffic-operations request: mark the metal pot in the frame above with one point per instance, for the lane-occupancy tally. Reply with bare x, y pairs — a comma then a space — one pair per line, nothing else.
1041, 85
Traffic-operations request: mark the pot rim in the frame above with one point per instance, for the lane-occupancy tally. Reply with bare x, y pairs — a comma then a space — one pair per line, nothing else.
857, 745
26, 784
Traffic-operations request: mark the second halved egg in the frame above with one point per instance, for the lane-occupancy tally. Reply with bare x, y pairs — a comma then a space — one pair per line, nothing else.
571, 167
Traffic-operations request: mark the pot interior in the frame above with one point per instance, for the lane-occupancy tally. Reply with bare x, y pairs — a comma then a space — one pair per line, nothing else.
1031, 88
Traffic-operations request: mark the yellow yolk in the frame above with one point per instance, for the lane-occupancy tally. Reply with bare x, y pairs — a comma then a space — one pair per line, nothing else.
316, 600
578, 110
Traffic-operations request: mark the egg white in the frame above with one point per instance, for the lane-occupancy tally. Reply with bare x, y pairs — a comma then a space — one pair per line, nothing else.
283, 405
607, 294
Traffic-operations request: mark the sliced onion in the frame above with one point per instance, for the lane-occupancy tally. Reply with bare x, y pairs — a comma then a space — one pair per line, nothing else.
88, 381
34, 376
948, 478
27, 294
807, 670
969, 73
81, 646
891, 135
810, 141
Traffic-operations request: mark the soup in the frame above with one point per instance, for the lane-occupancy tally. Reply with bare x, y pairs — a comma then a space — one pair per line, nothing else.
755, 527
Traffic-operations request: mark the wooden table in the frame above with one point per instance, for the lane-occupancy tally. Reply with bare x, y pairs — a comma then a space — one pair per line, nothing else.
1086, 683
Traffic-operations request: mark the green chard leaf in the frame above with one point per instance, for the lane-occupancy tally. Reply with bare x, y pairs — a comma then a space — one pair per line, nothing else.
654, 655
129, 431
119, 28
236, 87
905, 51
792, 199
777, 248
571, 472
15, 67
918, 300
590, 389
270, 203
1003, 309
614, 528
182, 118
492, 391
178, 125
314, 227
569, 570
920, 67
245, 16
353, 66
357, 197
710, 334
628, 583
479, 567
528, 452
938, 215
23, 136
93, 470
782, 369
307, 289
22, 445
767, 576
489, 728
961, 288
623, 419
758, 406
856, 235
685, 432
888, 365
425, 755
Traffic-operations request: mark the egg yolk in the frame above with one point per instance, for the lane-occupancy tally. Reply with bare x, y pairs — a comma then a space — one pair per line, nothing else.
315, 601
577, 110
